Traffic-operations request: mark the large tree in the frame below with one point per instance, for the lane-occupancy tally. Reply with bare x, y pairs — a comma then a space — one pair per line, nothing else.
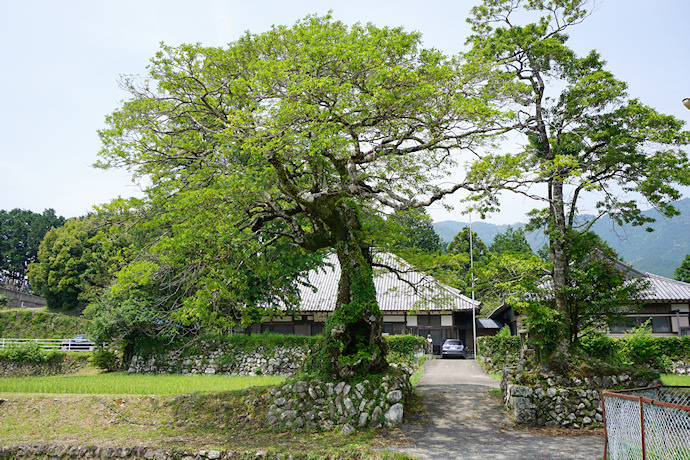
73, 267
285, 139
512, 240
585, 139
682, 273
21, 232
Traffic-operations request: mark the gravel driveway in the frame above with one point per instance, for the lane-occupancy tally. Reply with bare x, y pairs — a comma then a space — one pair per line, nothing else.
466, 422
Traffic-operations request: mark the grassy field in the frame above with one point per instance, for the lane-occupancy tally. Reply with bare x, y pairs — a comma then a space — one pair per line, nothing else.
183, 413
133, 384
676, 380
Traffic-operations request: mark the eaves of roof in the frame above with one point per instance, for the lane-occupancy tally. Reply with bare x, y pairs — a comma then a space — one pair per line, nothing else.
666, 289
406, 290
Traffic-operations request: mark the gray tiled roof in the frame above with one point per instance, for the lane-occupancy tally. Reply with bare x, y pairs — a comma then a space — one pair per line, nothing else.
408, 290
661, 289
666, 289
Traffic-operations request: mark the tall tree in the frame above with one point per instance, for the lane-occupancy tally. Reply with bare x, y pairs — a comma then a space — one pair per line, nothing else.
413, 230
583, 135
21, 233
71, 268
283, 139
600, 290
511, 241
682, 273
463, 242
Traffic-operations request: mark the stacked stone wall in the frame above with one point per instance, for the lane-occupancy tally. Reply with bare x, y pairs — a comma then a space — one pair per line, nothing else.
223, 358
680, 367
61, 451
67, 365
561, 402
320, 406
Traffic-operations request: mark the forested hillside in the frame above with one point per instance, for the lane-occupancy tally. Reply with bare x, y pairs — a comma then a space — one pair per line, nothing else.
660, 252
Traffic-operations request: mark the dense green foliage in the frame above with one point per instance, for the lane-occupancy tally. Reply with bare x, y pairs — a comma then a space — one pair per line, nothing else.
582, 133
512, 240
599, 290
21, 233
501, 349
266, 341
27, 324
408, 231
73, 266
637, 349
405, 344
30, 353
682, 273
261, 154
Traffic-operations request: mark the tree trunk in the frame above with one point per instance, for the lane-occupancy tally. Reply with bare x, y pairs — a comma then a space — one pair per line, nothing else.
353, 341
559, 258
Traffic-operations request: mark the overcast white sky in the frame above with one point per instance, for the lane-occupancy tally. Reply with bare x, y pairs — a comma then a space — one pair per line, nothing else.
60, 62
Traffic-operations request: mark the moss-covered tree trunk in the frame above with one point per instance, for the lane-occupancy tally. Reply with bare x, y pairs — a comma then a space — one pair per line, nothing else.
353, 340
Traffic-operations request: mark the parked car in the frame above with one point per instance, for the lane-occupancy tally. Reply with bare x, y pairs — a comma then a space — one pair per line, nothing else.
79, 342
453, 347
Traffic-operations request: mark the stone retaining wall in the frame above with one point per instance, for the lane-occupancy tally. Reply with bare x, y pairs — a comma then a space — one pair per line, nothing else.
224, 358
319, 406
67, 365
681, 367
561, 402
56, 451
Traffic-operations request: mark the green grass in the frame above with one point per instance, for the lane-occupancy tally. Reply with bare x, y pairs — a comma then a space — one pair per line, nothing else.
132, 384
674, 380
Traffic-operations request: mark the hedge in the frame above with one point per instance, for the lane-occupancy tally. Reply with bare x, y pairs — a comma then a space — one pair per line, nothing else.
403, 344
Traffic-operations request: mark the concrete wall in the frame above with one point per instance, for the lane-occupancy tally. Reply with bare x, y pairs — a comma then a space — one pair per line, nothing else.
22, 299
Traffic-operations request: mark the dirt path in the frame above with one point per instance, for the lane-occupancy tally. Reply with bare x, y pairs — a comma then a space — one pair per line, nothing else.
467, 422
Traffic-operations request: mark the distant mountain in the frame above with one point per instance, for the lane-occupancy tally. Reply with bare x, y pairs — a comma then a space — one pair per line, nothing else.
659, 252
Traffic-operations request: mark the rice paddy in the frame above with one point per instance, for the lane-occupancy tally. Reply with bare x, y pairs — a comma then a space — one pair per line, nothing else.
133, 384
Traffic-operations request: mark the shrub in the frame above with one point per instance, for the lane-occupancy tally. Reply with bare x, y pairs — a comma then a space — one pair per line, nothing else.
501, 350
405, 344
675, 347
598, 345
106, 359
545, 329
504, 332
266, 340
30, 352
639, 347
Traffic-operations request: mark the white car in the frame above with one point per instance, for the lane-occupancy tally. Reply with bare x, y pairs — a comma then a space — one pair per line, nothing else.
453, 347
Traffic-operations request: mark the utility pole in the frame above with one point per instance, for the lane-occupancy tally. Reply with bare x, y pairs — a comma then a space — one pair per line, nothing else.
474, 321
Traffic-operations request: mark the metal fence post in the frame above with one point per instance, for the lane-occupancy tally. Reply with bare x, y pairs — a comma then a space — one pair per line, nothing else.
603, 414
644, 449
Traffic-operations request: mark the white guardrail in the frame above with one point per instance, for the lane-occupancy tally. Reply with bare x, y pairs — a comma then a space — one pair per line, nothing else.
50, 344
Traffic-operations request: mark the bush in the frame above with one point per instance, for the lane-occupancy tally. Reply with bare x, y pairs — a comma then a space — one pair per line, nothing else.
405, 344
30, 352
106, 360
675, 347
545, 330
598, 345
266, 340
500, 350
639, 347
